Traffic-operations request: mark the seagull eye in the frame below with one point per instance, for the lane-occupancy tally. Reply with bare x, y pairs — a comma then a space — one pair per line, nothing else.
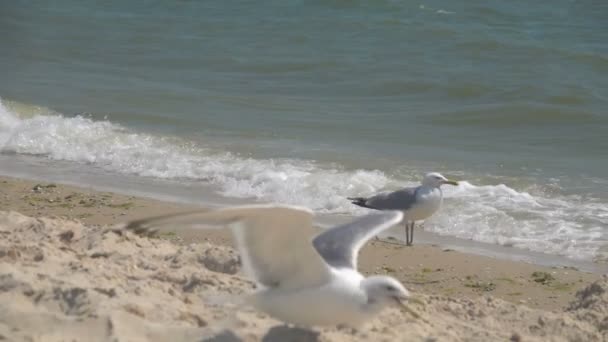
390, 288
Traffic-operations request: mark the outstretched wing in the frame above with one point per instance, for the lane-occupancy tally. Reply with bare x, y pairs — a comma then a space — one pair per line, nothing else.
403, 199
274, 241
340, 246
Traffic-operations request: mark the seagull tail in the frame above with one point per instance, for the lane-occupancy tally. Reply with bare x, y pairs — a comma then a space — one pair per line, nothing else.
360, 201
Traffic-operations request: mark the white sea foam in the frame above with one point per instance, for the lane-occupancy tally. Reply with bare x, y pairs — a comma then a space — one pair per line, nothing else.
114, 148
564, 225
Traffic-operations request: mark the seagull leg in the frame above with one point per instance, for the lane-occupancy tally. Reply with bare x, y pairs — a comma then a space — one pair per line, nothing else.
410, 233
407, 233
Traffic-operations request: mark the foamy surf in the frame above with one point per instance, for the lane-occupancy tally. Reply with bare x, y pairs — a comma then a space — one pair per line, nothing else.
497, 214
114, 148
562, 225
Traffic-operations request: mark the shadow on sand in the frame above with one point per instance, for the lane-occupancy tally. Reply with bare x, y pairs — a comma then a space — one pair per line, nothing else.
275, 334
285, 333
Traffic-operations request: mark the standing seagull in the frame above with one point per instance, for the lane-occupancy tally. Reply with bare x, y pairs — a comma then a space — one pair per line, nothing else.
304, 277
417, 203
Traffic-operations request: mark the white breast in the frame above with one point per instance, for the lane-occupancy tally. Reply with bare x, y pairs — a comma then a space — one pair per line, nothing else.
428, 202
338, 302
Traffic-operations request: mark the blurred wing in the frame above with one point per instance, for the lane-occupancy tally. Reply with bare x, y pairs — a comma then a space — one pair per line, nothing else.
274, 241
340, 246
150, 225
403, 199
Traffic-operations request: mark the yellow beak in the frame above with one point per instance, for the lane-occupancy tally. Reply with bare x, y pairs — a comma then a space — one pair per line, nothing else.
451, 182
401, 302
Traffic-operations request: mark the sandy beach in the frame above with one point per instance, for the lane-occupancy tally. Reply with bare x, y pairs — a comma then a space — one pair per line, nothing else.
65, 275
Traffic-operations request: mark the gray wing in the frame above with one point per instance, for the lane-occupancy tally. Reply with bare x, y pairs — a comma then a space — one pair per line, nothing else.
402, 199
340, 246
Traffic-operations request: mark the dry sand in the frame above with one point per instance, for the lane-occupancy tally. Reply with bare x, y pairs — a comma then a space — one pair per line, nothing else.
61, 280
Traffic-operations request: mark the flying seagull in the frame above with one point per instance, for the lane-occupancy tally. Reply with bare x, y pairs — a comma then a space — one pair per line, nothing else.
417, 203
304, 277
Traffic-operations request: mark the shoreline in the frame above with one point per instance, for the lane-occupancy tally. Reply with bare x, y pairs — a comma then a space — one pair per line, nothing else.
194, 194
430, 269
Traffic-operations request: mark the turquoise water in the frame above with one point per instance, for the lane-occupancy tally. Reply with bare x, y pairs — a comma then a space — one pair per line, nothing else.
308, 102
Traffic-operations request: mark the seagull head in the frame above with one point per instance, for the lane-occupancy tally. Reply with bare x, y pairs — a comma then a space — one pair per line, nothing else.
436, 179
384, 291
